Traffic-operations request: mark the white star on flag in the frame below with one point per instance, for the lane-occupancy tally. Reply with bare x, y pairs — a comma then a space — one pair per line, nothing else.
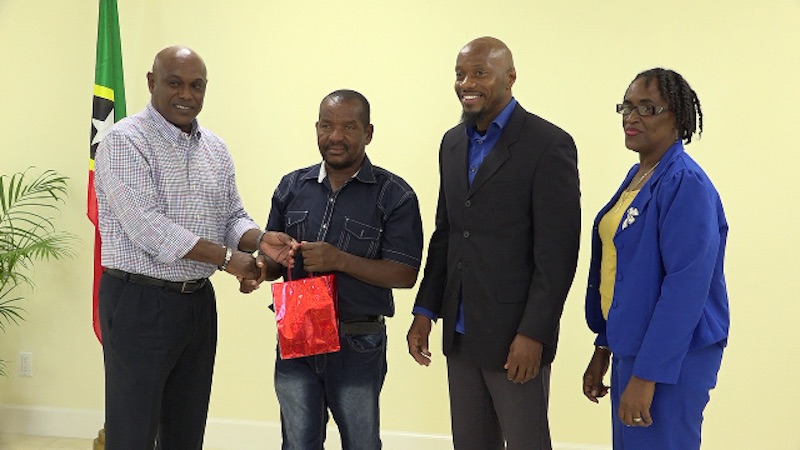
102, 127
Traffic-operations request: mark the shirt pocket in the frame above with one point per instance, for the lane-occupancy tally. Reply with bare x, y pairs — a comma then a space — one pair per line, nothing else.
360, 239
295, 224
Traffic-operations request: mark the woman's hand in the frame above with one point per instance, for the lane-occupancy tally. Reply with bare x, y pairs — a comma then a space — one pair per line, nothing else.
634, 405
593, 387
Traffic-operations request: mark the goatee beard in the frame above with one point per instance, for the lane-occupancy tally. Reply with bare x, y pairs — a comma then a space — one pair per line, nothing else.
470, 119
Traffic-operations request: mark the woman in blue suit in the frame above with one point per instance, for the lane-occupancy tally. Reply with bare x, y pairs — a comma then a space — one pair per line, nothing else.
656, 295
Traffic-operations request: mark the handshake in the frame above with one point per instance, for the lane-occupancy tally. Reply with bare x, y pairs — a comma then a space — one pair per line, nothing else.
275, 251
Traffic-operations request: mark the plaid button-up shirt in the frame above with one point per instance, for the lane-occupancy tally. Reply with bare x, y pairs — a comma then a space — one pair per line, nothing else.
159, 190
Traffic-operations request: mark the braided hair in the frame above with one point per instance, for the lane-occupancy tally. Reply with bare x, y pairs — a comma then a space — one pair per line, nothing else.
682, 99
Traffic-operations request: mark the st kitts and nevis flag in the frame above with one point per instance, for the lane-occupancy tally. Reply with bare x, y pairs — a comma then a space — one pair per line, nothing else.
108, 106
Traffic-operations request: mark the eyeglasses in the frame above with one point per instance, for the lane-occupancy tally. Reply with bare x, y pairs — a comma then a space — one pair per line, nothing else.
644, 110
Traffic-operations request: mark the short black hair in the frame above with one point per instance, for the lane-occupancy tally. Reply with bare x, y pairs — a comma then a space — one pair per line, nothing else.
682, 99
347, 95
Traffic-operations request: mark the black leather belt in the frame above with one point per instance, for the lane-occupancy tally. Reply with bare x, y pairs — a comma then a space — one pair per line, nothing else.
183, 287
363, 325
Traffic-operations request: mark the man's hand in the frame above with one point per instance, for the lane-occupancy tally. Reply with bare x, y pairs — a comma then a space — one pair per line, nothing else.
417, 338
243, 265
247, 286
634, 405
320, 256
524, 359
593, 387
280, 247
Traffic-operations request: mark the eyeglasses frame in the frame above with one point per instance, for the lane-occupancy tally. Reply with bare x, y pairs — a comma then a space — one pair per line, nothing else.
654, 108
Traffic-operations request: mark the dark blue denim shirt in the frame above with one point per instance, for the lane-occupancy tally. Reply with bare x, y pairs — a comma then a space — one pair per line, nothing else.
374, 215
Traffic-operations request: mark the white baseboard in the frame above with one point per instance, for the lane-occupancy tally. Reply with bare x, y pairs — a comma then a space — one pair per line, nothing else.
48, 421
221, 434
226, 434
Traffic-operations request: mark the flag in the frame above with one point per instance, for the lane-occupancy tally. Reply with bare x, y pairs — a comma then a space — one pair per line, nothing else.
108, 106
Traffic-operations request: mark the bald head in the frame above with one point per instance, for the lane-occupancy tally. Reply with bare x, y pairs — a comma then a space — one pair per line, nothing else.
484, 76
492, 48
177, 54
177, 85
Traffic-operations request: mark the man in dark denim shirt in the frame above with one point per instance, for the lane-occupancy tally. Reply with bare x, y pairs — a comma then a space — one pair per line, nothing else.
362, 223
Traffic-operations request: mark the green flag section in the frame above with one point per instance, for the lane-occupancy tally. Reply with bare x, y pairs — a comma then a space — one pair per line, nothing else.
108, 106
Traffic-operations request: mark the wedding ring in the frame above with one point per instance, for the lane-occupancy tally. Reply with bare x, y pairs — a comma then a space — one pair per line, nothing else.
637, 419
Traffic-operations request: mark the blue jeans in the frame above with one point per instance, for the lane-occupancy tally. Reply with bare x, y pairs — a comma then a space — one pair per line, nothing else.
348, 383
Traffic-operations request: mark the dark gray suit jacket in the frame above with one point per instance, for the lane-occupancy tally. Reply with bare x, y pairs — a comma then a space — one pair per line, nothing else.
508, 243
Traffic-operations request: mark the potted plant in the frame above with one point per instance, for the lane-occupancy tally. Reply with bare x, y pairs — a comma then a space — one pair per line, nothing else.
27, 235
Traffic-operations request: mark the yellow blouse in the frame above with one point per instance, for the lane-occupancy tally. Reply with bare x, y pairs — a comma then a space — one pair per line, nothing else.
607, 228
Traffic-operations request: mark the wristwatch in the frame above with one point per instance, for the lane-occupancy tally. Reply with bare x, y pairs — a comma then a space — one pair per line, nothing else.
228, 254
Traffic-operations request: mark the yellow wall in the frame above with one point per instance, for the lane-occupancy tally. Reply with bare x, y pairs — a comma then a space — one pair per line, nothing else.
271, 62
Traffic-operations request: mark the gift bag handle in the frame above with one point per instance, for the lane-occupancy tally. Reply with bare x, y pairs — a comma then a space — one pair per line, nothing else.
289, 274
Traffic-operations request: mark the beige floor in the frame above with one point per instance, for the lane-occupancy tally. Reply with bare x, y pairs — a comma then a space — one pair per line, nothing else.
22, 442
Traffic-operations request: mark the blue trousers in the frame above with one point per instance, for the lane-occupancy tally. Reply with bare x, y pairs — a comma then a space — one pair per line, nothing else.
348, 383
677, 409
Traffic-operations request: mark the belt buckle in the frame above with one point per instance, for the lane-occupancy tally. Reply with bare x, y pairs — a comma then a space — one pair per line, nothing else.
183, 288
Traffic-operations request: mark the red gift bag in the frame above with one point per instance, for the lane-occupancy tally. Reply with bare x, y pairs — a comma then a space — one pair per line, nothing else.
305, 311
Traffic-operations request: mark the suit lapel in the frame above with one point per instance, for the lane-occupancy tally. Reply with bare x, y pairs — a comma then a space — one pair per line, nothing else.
639, 204
635, 209
460, 152
501, 152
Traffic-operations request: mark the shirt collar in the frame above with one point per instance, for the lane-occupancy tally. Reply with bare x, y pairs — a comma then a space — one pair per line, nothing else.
366, 170
168, 128
499, 122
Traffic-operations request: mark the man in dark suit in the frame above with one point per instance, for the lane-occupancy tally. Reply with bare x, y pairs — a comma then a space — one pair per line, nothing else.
501, 259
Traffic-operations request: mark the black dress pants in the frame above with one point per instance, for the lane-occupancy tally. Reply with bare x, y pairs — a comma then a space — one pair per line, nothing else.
159, 348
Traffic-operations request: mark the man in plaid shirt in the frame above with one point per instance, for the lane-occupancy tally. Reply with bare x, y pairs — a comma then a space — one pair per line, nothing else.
170, 216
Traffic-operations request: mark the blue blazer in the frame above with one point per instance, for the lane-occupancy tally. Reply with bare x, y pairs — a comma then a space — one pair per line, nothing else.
669, 294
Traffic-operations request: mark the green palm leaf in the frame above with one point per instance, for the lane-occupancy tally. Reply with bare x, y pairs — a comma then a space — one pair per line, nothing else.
27, 235
9, 311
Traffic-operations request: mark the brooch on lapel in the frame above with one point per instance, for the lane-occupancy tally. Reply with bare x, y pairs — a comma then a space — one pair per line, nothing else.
630, 217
